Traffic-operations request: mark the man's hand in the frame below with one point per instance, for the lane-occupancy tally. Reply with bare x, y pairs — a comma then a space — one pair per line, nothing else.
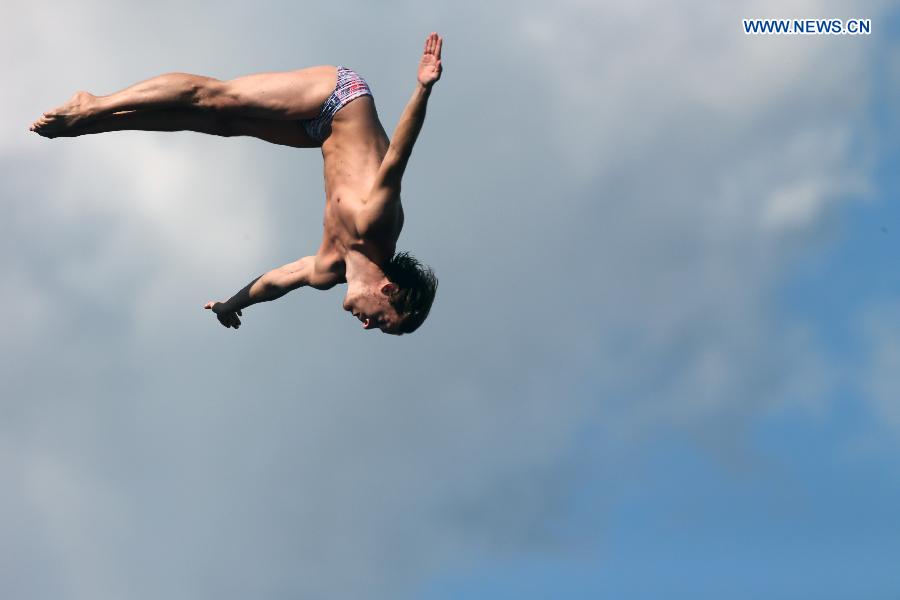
430, 65
226, 316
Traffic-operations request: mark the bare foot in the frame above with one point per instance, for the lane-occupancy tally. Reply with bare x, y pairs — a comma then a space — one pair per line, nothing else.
78, 109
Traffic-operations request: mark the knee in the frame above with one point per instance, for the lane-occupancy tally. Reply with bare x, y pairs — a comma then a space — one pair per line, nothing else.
211, 94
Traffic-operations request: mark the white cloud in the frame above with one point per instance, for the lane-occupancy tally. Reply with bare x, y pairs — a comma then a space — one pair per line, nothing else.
608, 193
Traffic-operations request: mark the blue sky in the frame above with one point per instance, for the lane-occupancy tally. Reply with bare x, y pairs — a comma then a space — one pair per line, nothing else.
662, 361
810, 510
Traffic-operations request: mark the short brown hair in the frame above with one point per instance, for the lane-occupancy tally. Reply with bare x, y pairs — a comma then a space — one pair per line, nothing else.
417, 285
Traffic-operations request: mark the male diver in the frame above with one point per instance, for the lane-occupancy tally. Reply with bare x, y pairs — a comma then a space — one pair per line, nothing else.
323, 107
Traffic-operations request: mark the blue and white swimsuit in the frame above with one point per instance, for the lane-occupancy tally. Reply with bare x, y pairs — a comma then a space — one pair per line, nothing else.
349, 87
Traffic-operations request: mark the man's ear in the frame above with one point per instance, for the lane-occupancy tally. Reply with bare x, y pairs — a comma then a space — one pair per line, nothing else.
389, 289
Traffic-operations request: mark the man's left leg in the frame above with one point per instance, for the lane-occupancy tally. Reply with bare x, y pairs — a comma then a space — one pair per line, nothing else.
288, 95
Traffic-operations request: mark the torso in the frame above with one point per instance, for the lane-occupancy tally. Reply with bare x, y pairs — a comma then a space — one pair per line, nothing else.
352, 155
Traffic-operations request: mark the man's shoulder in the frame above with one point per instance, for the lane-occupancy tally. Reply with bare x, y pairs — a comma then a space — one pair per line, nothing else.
381, 222
327, 271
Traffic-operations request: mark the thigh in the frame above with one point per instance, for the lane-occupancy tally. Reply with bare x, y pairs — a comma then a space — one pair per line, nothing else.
283, 95
283, 132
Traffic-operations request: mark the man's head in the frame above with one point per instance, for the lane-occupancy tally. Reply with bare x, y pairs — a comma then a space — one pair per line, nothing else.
416, 285
399, 305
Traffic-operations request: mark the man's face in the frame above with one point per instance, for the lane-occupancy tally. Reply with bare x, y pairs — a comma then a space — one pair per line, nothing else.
374, 310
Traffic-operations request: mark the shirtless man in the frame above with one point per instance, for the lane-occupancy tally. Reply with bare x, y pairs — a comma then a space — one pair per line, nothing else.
328, 107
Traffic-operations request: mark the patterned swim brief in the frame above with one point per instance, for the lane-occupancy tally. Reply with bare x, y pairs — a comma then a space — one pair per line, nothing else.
349, 87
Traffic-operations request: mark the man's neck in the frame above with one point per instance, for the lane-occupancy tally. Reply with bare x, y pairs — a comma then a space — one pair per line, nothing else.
361, 271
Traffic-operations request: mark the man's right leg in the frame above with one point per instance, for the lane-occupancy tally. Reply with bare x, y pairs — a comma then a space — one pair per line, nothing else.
288, 95
285, 133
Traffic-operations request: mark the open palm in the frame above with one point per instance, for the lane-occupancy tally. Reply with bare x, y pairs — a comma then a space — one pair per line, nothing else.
226, 316
430, 65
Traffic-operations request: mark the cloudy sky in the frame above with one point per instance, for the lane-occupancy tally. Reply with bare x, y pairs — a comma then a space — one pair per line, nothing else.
663, 360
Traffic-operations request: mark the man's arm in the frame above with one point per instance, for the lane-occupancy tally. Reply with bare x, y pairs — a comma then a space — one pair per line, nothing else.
387, 183
271, 286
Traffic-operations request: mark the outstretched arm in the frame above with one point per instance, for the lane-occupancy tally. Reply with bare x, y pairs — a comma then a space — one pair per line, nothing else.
271, 286
414, 114
386, 188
